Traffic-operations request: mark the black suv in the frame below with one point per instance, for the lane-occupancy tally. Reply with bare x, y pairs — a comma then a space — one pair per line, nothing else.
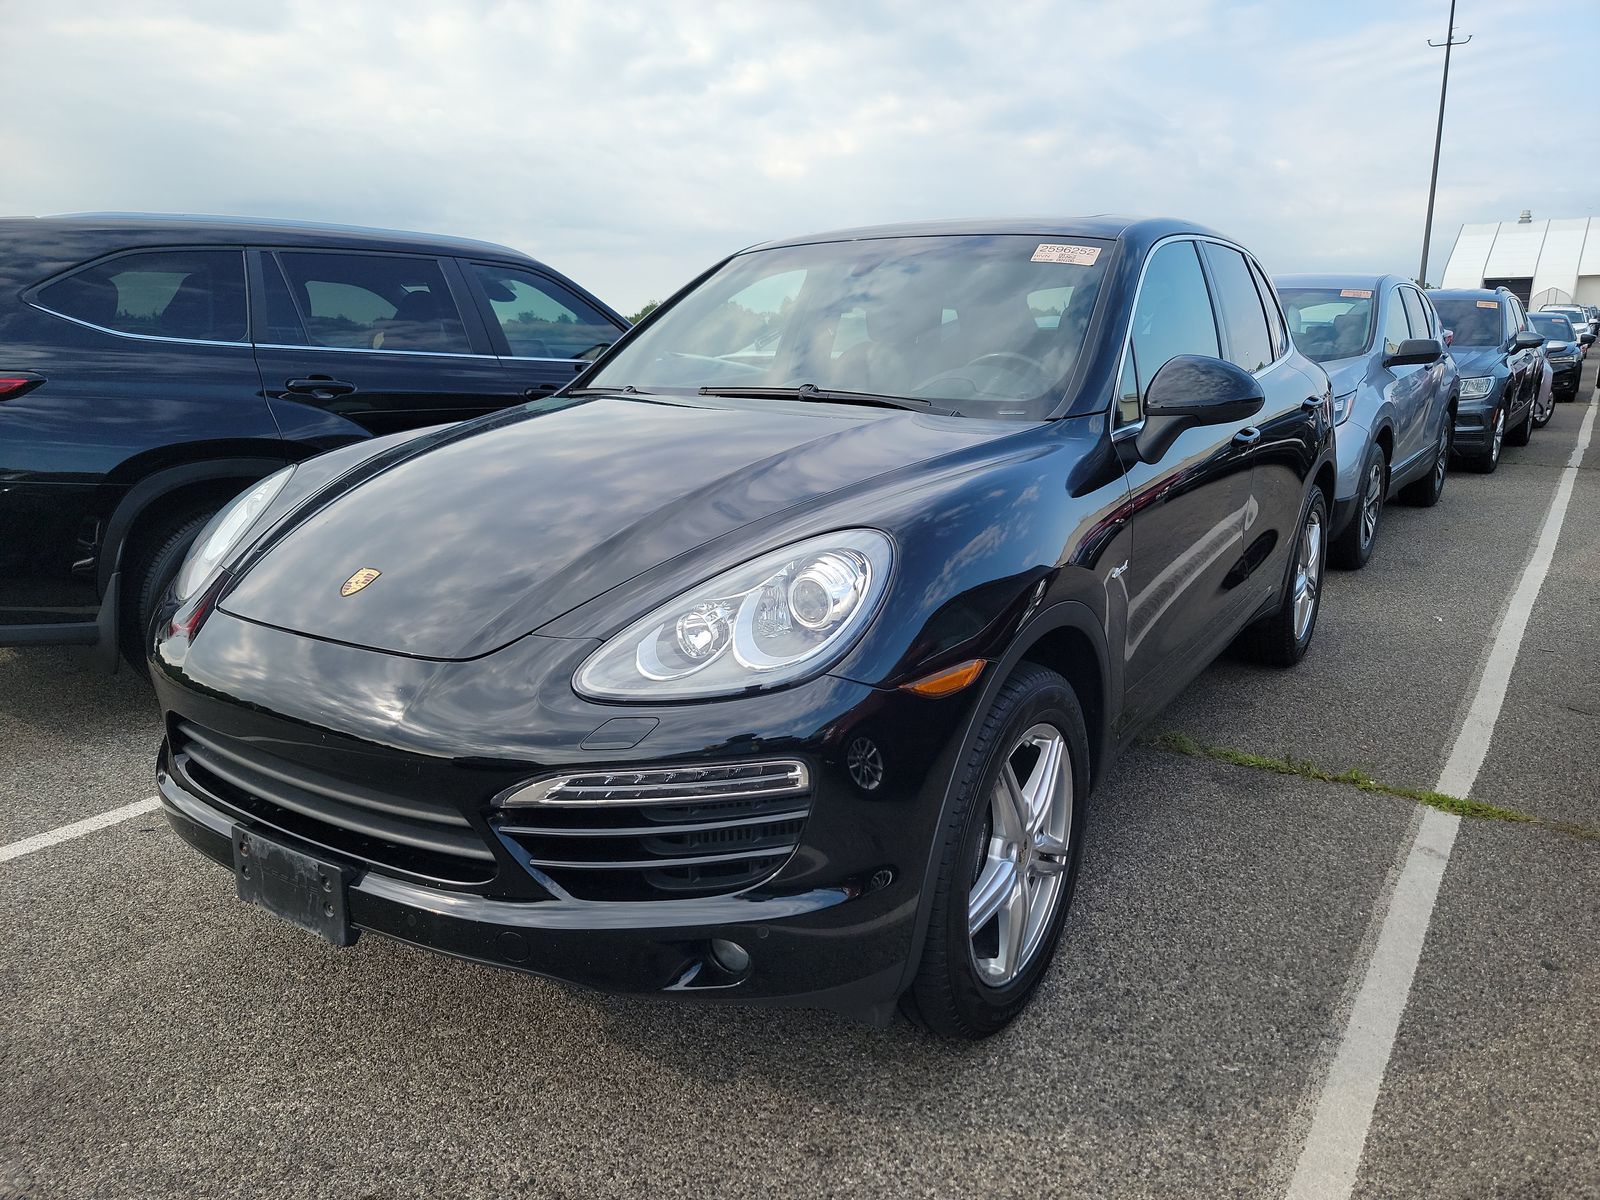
152, 367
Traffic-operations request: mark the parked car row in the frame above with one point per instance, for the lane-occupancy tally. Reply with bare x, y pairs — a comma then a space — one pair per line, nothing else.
772, 658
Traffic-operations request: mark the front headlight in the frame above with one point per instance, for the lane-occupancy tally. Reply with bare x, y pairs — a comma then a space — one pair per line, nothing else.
767, 623
1477, 387
1342, 406
223, 532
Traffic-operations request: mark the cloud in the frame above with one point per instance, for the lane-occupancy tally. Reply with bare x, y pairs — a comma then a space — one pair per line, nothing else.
633, 144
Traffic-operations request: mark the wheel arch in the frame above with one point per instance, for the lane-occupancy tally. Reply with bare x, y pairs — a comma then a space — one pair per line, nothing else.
1056, 636
169, 490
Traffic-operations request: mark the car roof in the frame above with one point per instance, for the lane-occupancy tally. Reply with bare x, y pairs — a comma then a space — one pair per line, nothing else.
1136, 231
1479, 293
163, 228
1322, 279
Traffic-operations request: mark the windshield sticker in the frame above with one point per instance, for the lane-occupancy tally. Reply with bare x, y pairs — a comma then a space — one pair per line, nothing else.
1356, 293
1058, 252
1488, 304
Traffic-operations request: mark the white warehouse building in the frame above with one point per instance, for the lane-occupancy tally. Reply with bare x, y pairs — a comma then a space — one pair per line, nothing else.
1544, 262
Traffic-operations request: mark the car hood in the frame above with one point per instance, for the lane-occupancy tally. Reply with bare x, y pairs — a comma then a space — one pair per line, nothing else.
1346, 374
1476, 360
479, 538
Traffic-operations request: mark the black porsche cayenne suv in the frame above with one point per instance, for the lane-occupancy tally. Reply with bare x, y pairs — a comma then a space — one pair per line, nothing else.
776, 659
153, 367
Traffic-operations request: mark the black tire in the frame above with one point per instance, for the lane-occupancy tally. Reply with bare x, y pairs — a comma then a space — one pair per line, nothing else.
1353, 547
1425, 492
155, 559
1524, 430
1486, 460
948, 996
1275, 639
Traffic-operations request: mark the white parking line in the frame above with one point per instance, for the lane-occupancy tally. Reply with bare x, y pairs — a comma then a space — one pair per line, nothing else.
1332, 1153
66, 833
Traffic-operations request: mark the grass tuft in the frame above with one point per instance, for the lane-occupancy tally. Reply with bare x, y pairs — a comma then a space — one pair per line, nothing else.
1461, 806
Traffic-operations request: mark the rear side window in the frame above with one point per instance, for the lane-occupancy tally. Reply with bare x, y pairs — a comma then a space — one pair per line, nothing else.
542, 319
1173, 314
193, 295
1243, 318
368, 302
1269, 302
1417, 312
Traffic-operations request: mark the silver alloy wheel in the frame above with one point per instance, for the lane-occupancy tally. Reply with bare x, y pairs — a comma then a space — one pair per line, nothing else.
1499, 434
1307, 574
1371, 503
1441, 461
1019, 879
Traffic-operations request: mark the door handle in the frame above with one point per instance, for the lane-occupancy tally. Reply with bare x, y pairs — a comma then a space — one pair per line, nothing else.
322, 387
1247, 437
540, 390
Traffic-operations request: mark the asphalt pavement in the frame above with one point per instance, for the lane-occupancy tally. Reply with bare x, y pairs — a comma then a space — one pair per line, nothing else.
159, 1038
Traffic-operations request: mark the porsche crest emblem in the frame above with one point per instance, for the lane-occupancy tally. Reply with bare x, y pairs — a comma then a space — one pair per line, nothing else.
359, 580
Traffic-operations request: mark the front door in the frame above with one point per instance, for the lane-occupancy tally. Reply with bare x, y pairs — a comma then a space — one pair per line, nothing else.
353, 344
1182, 577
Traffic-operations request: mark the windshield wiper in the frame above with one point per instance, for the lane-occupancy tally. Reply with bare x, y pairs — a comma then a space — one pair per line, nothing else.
810, 391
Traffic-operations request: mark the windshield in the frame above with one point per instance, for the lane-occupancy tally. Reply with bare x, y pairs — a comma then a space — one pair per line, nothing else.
1474, 322
1552, 325
1330, 322
981, 326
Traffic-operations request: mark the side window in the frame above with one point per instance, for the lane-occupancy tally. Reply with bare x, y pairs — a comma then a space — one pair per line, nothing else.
1395, 328
1269, 301
1417, 312
1514, 314
1243, 318
1173, 314
196, 295
372, 302
542, 319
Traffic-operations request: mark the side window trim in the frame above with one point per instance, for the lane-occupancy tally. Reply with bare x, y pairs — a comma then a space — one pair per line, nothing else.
30, 295
471, 320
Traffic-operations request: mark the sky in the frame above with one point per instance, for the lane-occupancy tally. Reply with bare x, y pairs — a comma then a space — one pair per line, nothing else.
632, 145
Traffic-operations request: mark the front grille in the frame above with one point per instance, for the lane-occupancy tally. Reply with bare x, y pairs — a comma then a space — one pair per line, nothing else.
427, 839
661, 833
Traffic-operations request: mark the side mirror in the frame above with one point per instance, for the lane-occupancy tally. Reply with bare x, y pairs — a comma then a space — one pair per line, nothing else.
1414, 352
1526, 339
1586, 338
1449, 337
1192, 390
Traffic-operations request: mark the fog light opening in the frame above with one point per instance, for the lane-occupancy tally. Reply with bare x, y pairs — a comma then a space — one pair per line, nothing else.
730, 957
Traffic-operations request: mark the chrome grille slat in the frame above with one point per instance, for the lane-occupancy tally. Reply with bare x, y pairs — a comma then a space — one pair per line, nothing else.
651, 830
659, 832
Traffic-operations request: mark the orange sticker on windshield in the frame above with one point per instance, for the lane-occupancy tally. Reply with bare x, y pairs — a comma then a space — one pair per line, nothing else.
1058, 252
1488, 304
1356, 293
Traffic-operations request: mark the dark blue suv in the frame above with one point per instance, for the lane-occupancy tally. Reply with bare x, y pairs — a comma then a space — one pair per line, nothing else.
152, 367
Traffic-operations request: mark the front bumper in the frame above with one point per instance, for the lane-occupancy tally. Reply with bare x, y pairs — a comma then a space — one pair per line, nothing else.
1565, 376
1474, 425
833, 926
1351, 438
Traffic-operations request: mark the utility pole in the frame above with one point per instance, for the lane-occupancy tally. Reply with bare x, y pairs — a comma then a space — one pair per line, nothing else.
1438, 137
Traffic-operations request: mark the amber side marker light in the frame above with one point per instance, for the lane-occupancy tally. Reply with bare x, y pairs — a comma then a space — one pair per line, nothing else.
948, 681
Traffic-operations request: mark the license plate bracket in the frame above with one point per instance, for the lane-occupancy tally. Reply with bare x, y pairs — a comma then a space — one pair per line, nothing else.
302, 889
